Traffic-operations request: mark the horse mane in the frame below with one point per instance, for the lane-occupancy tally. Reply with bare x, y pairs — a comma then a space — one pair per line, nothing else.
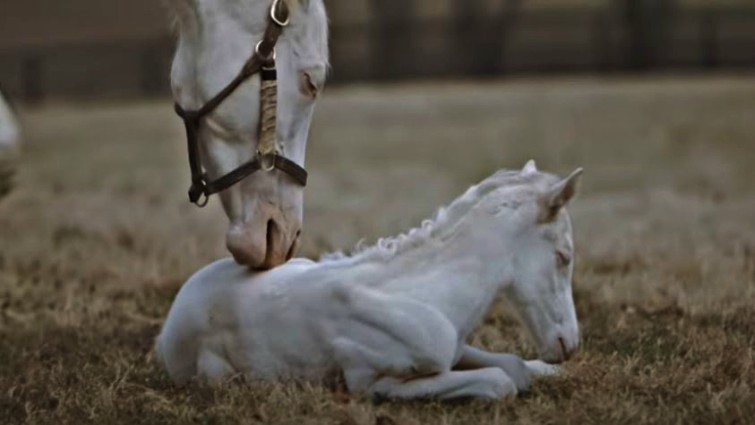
443, 221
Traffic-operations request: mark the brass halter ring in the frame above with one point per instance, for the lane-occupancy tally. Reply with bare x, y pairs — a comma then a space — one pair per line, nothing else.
203, 200
275, 19
267, 161
257, 51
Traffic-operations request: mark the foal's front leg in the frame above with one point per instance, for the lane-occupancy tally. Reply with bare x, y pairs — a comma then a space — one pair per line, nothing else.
487, 384
520, 371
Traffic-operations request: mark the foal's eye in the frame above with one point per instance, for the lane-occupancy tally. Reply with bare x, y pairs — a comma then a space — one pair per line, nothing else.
563, 259
307, 86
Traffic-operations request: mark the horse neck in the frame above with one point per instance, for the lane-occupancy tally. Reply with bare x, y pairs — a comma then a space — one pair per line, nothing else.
460, 275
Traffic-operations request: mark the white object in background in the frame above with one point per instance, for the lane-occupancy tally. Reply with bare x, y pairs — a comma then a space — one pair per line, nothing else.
10, 146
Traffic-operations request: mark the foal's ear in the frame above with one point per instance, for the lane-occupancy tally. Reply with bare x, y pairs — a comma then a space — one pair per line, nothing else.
558, 195
530, 167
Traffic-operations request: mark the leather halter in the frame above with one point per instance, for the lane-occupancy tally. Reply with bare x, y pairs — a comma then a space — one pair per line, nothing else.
267, 156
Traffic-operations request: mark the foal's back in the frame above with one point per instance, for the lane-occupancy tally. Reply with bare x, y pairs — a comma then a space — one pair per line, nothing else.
223, 300
295, 321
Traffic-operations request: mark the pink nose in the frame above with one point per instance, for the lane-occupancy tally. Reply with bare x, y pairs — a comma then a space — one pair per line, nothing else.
565, 352
262, 247
562, 349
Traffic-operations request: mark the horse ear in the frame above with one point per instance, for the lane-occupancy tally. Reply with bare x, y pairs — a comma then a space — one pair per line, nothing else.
558, 195
529, 167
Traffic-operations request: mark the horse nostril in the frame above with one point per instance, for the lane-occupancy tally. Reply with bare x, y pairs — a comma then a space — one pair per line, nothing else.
270, 239
294, 245
564, 352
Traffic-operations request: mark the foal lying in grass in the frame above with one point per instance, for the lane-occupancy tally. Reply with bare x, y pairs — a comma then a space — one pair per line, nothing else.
394, 318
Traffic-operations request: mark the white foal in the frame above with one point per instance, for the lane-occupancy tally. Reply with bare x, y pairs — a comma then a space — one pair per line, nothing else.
9, 146
394, 318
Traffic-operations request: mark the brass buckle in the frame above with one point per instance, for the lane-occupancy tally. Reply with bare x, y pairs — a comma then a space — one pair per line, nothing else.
198, 192
257, 51
267, 160
275, 19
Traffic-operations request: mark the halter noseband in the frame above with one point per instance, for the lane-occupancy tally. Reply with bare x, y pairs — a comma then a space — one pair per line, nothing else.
267, 156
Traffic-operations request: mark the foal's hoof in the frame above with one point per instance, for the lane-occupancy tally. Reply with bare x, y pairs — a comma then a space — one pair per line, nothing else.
517, 370
540, 368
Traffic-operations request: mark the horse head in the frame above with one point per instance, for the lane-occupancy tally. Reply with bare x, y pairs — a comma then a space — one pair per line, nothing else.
543, 264
531, 235
215, 39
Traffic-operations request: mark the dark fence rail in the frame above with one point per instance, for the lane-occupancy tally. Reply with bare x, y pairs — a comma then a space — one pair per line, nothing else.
113, 69
552, 40
392, 45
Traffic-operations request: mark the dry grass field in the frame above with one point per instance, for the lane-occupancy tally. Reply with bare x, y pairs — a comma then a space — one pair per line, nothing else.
97, 237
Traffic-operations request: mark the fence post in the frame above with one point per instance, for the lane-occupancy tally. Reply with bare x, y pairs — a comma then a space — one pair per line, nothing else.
647, 22
709, 38
602, 41
505, 23
479, 39
392, 39
149, 70
33, 87
462, 28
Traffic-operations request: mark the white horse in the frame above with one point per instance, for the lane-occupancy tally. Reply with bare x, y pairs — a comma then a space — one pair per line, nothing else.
215, 38
394, 318
10, 142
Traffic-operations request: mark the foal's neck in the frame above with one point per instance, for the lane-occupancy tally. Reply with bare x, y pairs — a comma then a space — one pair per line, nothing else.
460, 276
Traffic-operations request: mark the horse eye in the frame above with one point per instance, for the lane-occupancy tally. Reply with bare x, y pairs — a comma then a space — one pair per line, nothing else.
562, 258
306, 86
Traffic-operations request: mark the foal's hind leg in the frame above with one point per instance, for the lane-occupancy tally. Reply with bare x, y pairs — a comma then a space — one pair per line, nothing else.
488, 384
213, 368
363, 367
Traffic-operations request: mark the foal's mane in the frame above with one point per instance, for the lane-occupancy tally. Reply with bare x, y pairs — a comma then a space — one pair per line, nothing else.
442, 222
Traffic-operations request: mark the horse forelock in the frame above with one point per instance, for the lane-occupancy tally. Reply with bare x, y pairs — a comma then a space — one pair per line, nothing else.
308, 31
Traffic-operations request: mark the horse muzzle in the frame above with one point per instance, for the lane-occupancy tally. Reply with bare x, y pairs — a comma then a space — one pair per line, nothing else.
561, 347
265, 243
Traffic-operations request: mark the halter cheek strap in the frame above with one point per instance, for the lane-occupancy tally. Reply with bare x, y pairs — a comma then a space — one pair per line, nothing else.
267, 157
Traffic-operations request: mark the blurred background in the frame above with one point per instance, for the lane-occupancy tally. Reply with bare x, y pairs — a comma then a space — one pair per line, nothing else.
91, 48
654, 98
